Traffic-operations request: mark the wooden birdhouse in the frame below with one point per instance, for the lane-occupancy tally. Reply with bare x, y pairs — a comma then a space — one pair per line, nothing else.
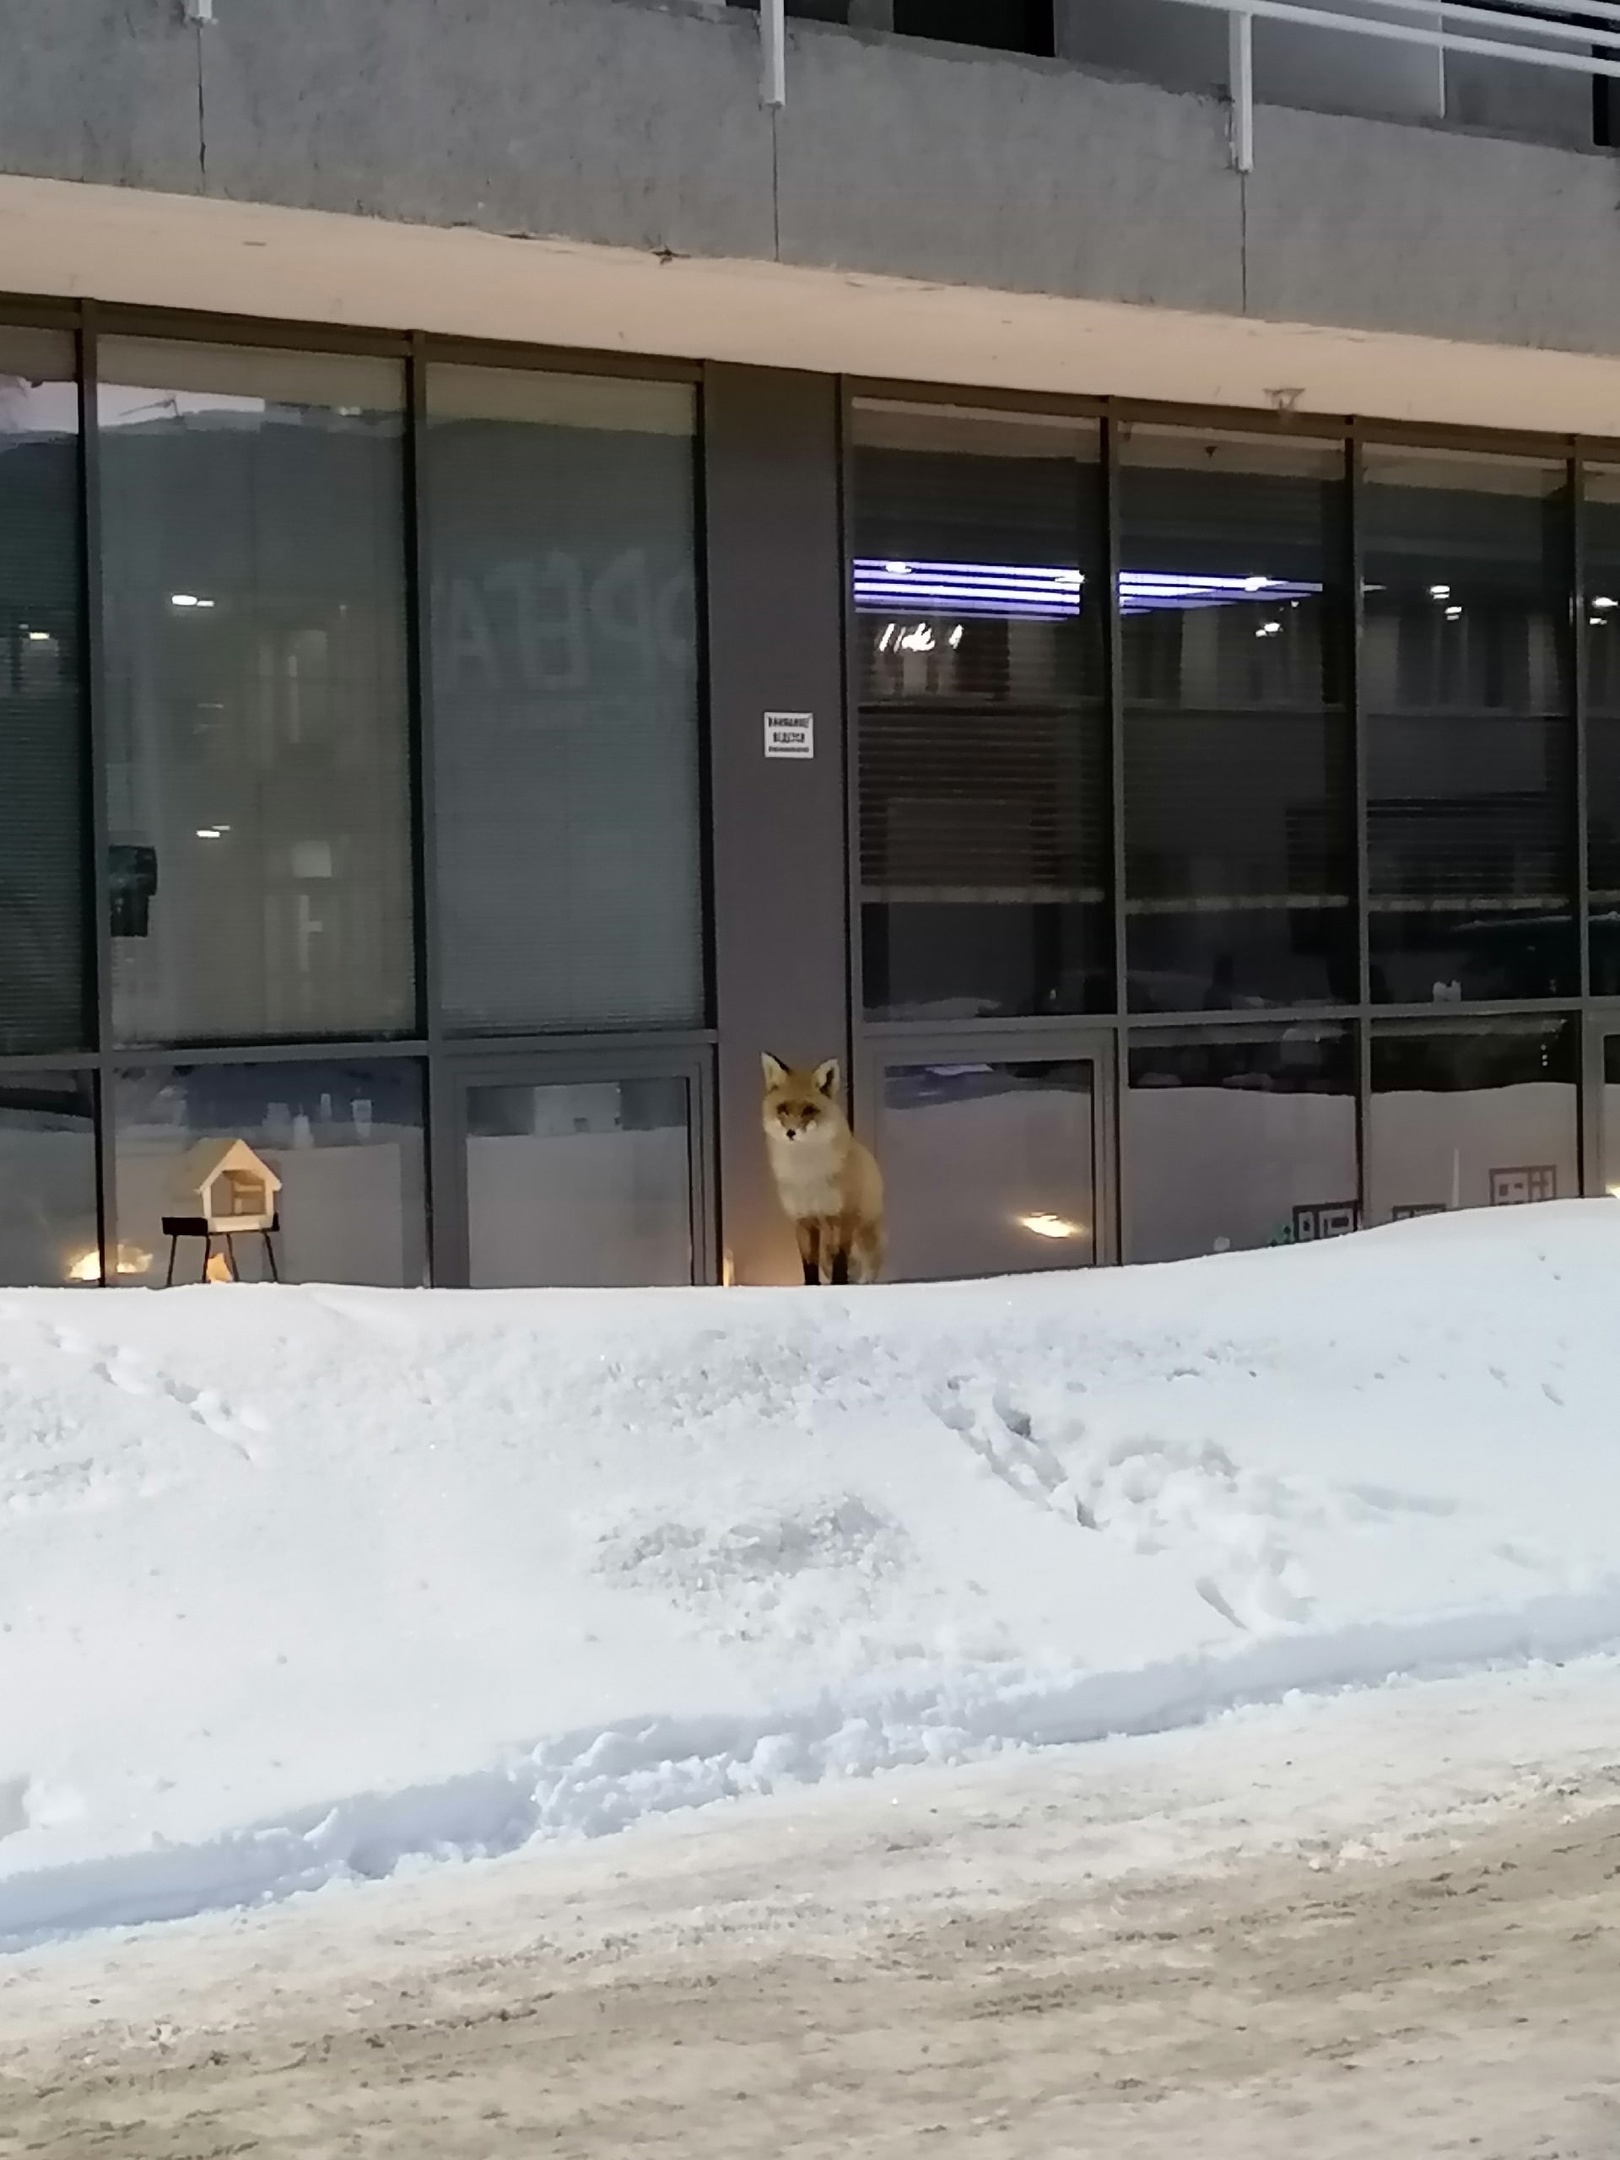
228, 1188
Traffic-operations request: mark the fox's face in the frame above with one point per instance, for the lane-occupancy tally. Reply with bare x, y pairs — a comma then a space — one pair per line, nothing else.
802, 1106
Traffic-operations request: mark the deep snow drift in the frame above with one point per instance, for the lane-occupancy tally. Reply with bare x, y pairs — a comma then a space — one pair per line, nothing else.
300, 1583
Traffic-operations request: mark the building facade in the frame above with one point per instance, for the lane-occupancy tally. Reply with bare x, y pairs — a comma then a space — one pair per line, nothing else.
529, 578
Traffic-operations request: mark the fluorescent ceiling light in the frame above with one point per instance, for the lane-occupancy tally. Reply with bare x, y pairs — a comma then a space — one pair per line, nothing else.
1037, 592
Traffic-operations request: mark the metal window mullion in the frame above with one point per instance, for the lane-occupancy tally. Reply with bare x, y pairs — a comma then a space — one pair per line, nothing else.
1595, 1029
1590, 1100
1355, 650
442, 1182
703, 1149
698, 535
702, 1144
98, 984
419, 704
1576, 650
861, 1095
1114, 675
305, 1051
1355, 632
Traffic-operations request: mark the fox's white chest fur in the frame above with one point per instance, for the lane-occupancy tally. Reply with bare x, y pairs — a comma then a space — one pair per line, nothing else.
808, 1172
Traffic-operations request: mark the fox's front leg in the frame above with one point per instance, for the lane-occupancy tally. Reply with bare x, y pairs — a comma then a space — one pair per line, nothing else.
808, 1233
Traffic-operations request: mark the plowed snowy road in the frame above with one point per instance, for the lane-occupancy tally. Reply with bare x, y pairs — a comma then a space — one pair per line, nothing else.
1386, 1925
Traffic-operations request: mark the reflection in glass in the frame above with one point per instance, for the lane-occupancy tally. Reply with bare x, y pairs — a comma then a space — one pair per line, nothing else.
1469, 735
252, 521
989, 1169
42, 835
983, 771
48, 1179
1478, 1114
1239, 827
587, 1183
562, 533
1602, 641
1239, 1137
345, 1140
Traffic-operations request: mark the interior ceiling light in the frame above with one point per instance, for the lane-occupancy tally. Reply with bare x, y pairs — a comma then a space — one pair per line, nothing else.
1038, 593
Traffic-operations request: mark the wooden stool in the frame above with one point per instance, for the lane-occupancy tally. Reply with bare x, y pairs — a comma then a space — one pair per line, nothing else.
176, 1227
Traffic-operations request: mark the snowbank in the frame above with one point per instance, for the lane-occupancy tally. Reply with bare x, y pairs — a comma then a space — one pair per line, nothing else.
297, 1584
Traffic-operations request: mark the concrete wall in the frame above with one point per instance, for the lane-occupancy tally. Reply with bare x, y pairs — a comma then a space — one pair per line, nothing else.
638, 123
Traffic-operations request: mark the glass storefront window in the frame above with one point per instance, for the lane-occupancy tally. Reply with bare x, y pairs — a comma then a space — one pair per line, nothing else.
1478, 1114
1601, 600
989, 1169
584, 1183
1238, 1137
983, 738
1470, 741
1239, 824
345, 1140
562, 534
48, 1179
253, 581
43, 974
256, 578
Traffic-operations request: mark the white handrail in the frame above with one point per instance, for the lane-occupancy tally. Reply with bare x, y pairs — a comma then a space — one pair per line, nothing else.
1535, 16
1435, 31
1437, 36
1594, 40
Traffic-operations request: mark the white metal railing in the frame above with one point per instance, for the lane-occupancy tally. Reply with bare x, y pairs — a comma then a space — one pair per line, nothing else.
1542, 36
1584, 40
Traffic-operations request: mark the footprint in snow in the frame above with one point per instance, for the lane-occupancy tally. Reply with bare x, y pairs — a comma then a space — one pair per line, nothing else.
1210, 1591
127, 1371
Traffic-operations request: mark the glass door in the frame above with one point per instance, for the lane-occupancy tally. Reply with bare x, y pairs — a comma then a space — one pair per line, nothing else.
995, 1155
578, 1173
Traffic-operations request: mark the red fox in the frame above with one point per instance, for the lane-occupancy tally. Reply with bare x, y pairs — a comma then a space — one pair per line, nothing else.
828, 1183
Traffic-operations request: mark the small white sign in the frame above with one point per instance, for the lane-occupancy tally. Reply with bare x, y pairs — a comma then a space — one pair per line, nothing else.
790, 734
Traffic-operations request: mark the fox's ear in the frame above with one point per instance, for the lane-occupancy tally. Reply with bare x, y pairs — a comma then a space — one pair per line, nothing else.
829, 1078
774, 1070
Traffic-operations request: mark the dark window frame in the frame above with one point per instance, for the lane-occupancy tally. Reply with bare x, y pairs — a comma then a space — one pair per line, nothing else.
1066, 1041
557, 1063
615, 1053
1332, 714
1600, 1016
877, 1041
